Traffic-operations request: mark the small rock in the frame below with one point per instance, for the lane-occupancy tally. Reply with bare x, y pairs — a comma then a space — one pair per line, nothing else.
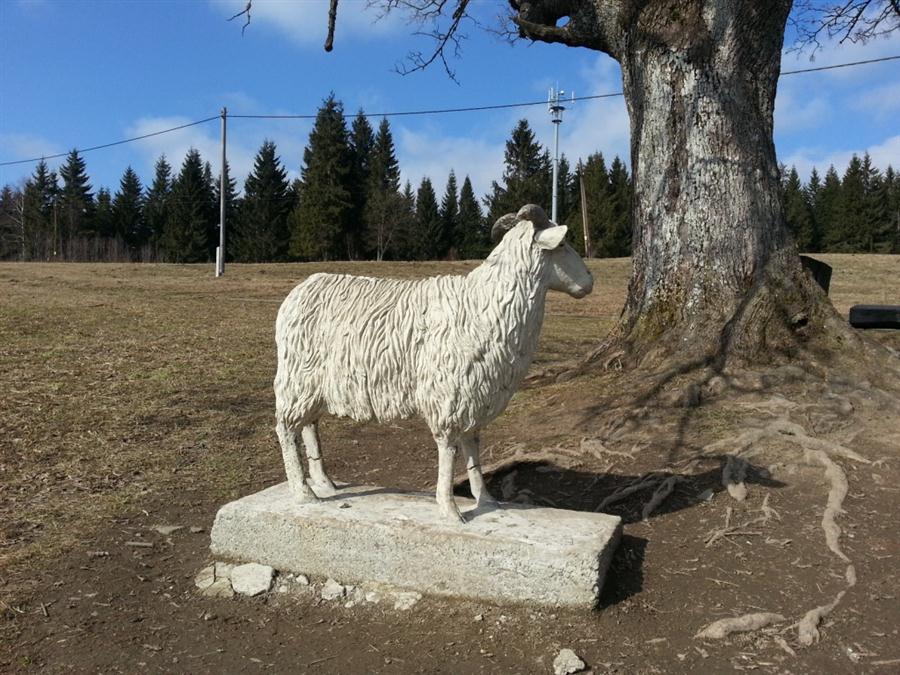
332, 590
195, 530
252, 578
166, 530
223, 570
373, 597
205, 577
479, 617
567, 662
220, 588
209, 616
302, 579
706, 495
404, 600
282, 589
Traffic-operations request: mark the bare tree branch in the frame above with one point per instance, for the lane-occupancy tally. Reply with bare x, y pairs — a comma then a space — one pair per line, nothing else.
850, 20
247, 12
332, 18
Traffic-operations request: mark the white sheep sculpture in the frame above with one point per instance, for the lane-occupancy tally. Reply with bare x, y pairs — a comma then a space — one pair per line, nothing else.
451, 349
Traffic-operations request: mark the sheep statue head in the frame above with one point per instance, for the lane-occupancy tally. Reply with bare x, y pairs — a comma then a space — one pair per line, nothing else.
565, 270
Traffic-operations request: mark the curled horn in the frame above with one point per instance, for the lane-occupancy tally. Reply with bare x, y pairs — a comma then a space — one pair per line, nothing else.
530, 212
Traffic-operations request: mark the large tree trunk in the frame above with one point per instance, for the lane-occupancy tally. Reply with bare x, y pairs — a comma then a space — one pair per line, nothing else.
715, 272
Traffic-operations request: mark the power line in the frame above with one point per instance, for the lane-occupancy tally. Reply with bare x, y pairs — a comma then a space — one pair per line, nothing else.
408, 113
109, 145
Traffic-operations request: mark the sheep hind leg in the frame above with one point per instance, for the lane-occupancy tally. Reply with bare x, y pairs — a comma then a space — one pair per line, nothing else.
444, 494
469, 444
321, 483
293, 467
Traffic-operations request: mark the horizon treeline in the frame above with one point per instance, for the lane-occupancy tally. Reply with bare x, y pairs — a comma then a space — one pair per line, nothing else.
348, 204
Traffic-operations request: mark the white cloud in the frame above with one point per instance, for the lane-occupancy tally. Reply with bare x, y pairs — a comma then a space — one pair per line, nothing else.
306, 21
26, 146
796, 110
433, 154
882, 101
882, 154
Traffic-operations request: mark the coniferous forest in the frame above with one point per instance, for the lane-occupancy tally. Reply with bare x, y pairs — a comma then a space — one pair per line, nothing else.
349, 204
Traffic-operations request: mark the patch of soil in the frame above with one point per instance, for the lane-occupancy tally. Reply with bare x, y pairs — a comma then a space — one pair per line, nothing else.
160, 411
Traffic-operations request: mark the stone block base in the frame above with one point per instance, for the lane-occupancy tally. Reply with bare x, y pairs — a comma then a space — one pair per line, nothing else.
514, 554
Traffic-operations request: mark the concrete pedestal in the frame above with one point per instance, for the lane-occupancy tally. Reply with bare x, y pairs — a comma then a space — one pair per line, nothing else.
517, 553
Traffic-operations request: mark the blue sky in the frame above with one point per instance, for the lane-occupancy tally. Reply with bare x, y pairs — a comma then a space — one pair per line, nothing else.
77, 74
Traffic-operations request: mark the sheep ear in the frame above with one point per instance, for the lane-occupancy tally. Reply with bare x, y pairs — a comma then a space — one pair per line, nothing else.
550, 237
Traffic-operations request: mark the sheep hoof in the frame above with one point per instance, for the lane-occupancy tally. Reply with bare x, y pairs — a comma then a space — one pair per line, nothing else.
324, 488
303, 494
451, 514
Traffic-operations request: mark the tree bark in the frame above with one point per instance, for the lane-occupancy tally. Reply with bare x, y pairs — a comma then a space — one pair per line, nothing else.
716, 274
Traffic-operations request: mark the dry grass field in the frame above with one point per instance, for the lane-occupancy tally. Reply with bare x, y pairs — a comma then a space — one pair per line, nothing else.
138, 395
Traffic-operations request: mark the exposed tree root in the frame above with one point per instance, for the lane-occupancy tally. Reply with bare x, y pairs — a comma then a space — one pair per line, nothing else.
741, 624
660, 494
733, 531
807, 629
839, 487
651, 479
733, 474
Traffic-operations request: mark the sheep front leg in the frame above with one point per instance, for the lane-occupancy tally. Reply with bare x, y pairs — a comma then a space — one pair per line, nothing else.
444, 493
293, 467
320, 481
469, 444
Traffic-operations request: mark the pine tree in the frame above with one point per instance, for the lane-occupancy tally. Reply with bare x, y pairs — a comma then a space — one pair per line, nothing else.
40, 216
474, 241
260, 233
156, 207
76, 201
565, 180
429, 227
320, 222
827, 212
526, 176
797, 211
362, 142
449, 213
128, 213
875, 210
191, 213
384, 207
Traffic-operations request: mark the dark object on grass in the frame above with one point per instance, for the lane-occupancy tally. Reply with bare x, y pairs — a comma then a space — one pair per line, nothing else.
875, 316
820, 271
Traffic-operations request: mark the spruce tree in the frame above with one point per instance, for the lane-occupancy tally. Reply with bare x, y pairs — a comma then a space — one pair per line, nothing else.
76, 201
405, 240
892, 186
191, 214
827, 212
875, 210
320, 222
449, 213
429, 226
600, 209
384, 206
813, 192
260, 233
526, 176
565, 180
474, 242
128, 213
40, 215
11, 223
852, 208
362, 142
104, 219
797, 211
156, 207
617, 239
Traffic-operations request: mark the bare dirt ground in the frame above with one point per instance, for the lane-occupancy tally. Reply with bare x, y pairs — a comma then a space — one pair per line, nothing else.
136, 396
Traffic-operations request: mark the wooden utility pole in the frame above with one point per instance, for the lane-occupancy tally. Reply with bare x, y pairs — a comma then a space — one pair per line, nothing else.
223, 179
588, 253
